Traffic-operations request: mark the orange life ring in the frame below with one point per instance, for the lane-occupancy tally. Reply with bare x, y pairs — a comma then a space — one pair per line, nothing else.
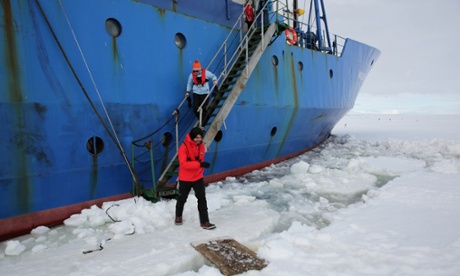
291, 36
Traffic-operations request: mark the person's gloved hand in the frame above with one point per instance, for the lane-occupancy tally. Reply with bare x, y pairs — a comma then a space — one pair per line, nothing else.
189, 99
205, 165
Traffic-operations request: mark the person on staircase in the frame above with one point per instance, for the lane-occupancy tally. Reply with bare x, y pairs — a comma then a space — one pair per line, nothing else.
265, 11
198, 86
248, 13
191, 168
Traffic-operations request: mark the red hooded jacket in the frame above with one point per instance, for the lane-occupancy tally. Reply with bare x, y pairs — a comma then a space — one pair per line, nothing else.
190, 157
249, 12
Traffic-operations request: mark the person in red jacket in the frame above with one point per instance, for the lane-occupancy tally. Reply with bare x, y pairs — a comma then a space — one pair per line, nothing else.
248, 13
191, 168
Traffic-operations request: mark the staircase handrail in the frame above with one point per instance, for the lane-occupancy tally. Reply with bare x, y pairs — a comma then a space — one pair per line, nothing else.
242, 46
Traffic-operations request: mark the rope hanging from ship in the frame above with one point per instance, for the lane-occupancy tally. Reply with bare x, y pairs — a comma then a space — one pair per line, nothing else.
136, 142
111, 134
146, 141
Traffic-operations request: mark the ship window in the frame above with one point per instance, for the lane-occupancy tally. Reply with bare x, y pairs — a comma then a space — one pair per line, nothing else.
331, 73
166, 139
113, 27
275, 60
218, 136
180, 40
95, 145
300, 65
273, 132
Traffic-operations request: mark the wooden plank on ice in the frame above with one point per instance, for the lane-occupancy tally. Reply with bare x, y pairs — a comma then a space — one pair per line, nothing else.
230, 256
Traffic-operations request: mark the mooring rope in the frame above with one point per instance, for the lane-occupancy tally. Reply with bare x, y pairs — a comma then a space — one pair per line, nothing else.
112, 135
92, 78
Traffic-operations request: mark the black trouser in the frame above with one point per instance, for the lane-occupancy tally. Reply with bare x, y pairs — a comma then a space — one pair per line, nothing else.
197, 101
200, 193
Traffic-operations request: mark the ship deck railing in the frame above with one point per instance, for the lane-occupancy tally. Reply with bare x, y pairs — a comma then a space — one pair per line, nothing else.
307, 33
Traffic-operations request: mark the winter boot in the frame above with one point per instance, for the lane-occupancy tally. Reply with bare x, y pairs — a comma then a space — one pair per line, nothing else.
208, 226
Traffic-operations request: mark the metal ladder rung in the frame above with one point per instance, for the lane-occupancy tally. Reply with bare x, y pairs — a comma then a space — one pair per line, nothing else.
224, 91
172, 173
232, 83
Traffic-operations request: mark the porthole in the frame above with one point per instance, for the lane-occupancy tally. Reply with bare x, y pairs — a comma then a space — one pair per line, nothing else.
95, 145
372, 63
218, 136
275, 60
300, 65
273, 132
331, 73
113, 27
166, 139
180, 41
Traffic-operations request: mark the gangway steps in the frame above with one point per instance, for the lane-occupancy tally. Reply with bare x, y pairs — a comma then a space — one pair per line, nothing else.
230, 89
243, 68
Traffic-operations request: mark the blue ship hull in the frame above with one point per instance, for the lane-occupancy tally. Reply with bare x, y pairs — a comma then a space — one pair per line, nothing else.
60, 69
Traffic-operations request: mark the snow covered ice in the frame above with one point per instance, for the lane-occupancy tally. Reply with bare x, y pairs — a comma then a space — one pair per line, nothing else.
380, 197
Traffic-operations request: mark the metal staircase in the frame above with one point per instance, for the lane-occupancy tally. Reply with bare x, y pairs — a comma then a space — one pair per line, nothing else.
235, 75
235, 82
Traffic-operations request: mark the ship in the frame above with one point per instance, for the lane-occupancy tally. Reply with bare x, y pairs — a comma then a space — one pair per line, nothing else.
93, 105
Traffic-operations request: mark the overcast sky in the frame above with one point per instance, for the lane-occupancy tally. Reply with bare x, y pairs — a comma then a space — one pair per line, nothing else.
419, 69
